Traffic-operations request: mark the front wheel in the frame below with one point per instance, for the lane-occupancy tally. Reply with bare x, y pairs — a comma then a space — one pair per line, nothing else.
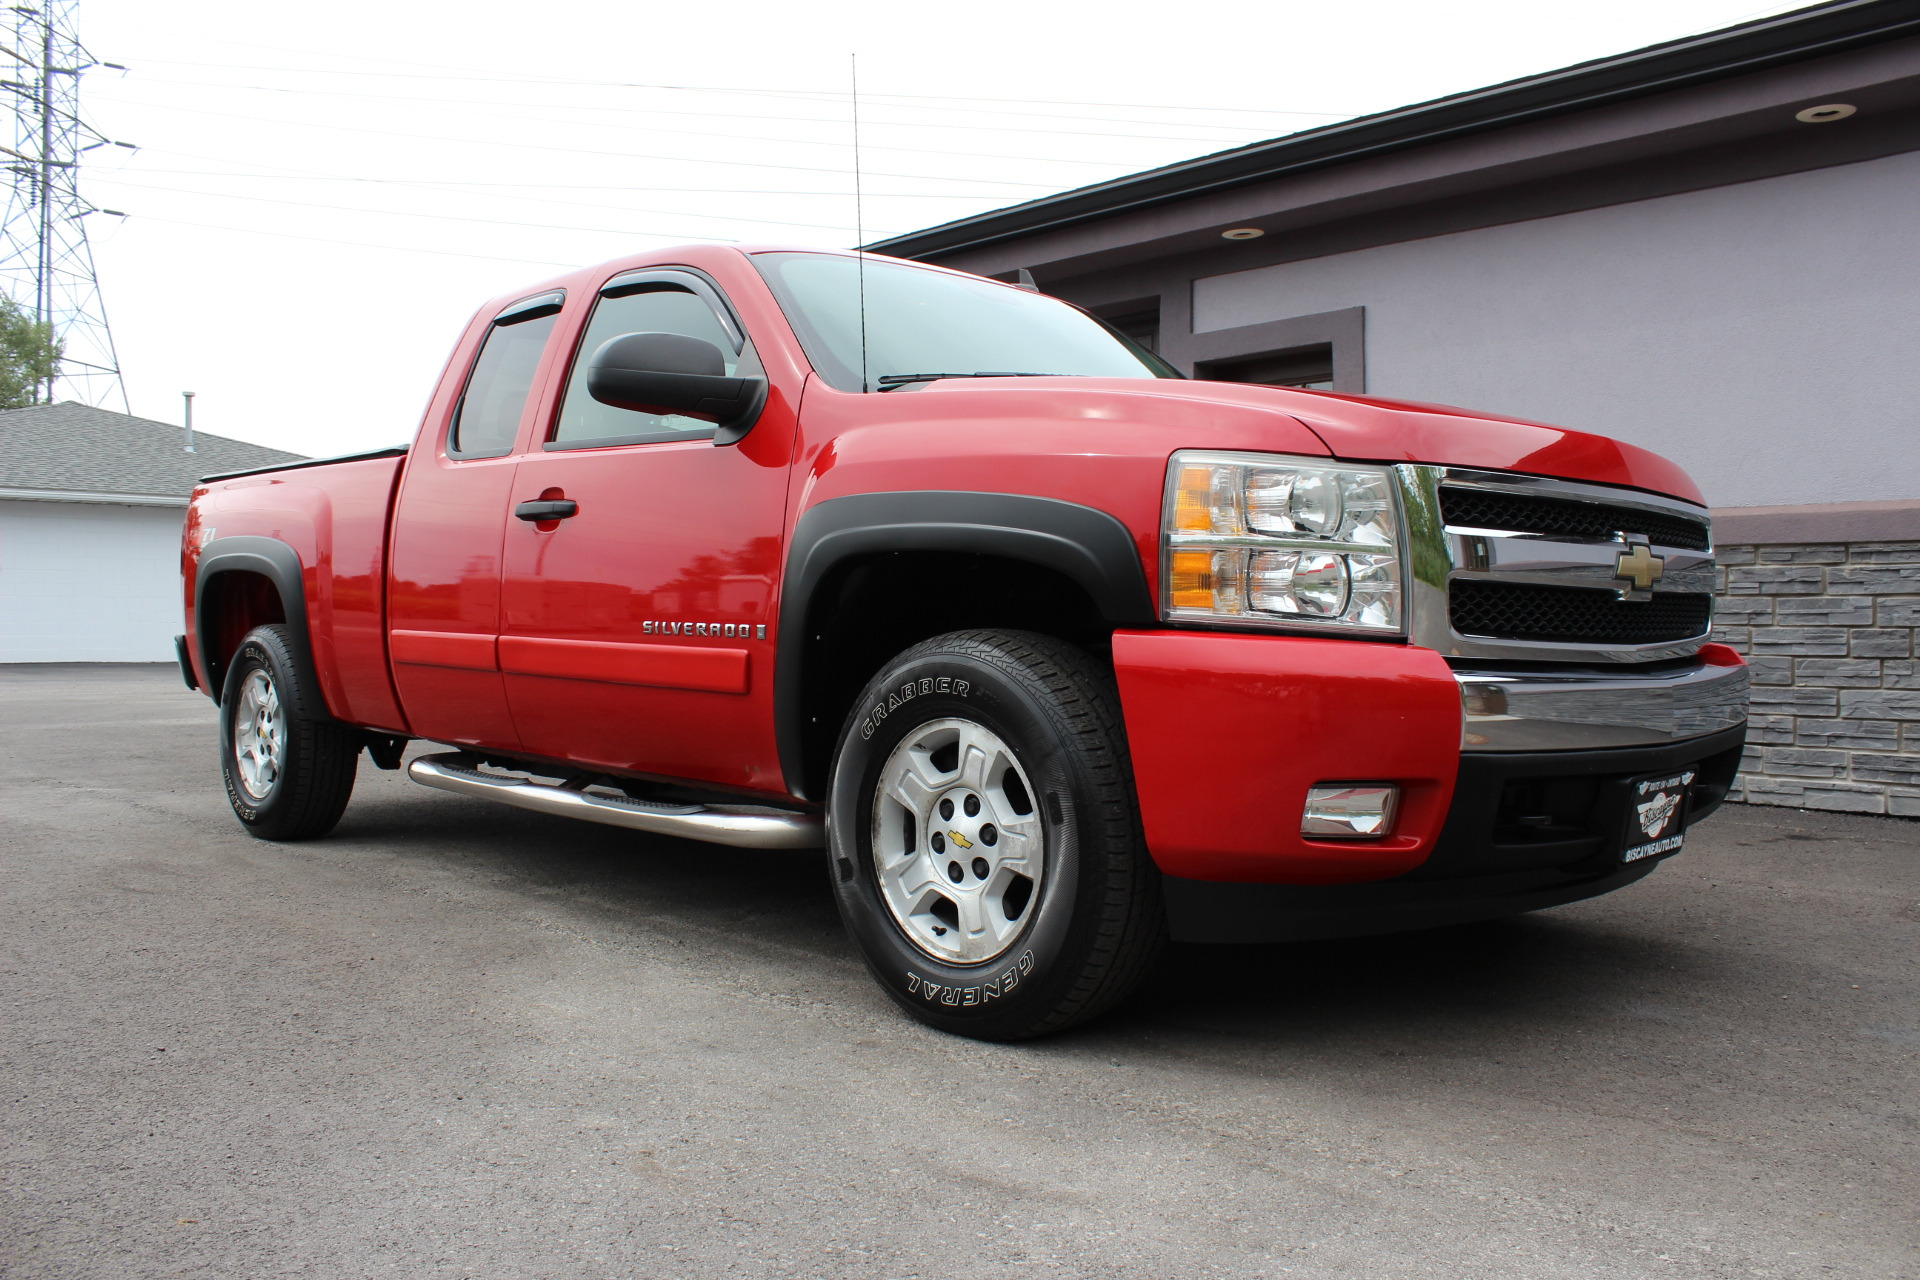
984, 837
288, 775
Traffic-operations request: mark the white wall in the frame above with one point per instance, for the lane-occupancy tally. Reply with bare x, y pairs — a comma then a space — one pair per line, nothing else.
81, 582
1766, 336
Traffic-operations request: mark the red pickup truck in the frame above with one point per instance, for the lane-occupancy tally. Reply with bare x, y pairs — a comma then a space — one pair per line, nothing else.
1058, 654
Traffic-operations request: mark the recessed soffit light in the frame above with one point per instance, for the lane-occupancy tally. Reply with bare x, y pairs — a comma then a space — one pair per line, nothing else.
1242, 233
1825, 112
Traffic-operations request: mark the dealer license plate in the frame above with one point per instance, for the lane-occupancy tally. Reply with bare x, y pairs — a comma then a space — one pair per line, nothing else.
1656, 814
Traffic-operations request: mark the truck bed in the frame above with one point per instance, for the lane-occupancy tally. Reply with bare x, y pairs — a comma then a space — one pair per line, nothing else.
333, 513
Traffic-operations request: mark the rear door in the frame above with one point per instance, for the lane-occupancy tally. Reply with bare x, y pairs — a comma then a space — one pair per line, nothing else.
637, 631
443, 598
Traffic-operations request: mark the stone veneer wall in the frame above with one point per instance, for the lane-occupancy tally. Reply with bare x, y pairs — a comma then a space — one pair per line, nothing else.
1829, 630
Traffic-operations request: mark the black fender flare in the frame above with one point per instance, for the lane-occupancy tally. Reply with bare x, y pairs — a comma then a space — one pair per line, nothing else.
1091, 547
279, 564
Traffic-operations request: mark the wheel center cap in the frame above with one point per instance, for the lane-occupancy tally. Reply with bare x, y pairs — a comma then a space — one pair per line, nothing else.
964, 837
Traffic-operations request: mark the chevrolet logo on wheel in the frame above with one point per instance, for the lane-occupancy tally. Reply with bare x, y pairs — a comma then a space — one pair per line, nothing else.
1640, 567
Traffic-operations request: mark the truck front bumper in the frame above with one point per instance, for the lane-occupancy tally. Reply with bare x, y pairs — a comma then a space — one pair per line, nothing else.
1228, 733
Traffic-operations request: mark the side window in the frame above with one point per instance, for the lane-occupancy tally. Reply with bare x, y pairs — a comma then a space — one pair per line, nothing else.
488, 419
651, 306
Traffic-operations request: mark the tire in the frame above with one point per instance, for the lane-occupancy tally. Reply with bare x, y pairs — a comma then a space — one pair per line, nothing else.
288, 775
1028, 727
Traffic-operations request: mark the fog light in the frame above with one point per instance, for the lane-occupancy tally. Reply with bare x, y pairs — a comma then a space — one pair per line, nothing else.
1350, 811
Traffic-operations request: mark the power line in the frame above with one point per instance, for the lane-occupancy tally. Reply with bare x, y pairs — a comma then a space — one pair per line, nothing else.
364, 244
687, 133
582, 151
826, 95
495, 222
303, 175
628, 111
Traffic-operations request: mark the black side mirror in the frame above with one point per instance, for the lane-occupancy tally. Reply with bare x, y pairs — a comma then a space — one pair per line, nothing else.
673, 373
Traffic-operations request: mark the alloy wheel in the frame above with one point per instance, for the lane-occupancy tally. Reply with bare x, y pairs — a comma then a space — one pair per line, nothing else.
958, 847
259, 736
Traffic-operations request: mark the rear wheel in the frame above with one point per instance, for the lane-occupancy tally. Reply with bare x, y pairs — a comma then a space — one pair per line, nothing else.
985, 841
288, 775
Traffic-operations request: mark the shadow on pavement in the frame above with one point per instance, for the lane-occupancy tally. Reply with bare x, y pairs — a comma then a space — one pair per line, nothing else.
1503, 976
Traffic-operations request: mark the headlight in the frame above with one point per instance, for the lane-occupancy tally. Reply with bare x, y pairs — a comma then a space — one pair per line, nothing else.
1263, 540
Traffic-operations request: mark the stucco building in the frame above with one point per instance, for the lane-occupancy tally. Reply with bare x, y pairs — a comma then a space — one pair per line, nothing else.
1710, 248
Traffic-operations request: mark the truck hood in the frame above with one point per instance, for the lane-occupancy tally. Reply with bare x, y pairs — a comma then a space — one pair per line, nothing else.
1370, 429
1408, 431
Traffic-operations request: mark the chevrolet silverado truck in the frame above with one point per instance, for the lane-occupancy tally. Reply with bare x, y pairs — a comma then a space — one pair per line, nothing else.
1058, 654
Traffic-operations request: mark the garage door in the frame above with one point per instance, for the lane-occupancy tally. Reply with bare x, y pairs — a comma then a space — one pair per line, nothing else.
81, 582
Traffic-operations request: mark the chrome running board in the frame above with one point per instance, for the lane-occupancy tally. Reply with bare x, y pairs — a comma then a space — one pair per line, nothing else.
742, 826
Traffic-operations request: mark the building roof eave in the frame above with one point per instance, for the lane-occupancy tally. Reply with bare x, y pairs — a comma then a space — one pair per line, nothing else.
93, 496
1754, 46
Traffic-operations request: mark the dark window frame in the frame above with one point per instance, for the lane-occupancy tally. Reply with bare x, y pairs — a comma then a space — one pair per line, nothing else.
1343, 333
1301, 367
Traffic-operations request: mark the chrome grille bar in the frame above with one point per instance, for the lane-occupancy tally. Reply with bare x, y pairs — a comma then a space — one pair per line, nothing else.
1626, 562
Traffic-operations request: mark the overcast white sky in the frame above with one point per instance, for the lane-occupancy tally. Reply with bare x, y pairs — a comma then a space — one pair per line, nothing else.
323, 194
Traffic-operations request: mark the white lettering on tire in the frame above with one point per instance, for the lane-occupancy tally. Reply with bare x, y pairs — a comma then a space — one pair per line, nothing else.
911, 689
980, 993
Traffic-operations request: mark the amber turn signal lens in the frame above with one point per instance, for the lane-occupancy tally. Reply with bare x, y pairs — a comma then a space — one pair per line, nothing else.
1192, 585
1193, 500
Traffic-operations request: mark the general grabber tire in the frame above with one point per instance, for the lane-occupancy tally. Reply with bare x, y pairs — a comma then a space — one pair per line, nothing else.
984, 838
288, 775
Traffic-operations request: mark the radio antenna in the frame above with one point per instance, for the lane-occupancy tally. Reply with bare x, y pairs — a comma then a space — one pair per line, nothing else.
859, 217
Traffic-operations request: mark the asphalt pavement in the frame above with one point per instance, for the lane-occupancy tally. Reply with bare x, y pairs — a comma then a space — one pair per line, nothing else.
460, 1040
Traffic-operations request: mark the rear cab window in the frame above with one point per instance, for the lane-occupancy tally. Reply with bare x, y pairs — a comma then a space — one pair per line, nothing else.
486, 422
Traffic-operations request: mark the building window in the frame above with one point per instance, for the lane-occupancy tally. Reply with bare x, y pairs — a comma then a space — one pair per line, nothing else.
1308, 367
1326, 351
1141, 326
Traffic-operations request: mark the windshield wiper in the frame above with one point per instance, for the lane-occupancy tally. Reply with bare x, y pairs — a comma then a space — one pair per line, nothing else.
888, 381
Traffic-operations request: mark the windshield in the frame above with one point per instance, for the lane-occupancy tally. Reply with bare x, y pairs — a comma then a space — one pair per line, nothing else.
921, 323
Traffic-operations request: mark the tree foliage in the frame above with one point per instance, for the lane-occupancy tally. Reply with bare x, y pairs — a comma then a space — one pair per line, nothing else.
30, 354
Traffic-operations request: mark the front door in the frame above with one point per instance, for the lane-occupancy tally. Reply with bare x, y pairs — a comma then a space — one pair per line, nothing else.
637, 631
443, 588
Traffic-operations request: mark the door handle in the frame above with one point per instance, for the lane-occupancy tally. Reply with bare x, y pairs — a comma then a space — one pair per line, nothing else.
547, 509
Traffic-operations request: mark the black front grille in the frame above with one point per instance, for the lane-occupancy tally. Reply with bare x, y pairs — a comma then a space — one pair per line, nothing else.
1519, 611
1526, 513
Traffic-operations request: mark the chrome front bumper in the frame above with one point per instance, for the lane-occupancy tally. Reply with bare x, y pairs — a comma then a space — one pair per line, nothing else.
1584, 709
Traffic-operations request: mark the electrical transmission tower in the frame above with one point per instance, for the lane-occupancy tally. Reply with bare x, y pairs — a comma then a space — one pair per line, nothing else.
46, 264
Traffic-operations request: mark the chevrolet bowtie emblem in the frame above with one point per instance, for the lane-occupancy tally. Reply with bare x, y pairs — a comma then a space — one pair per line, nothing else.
960, 840
1640, 567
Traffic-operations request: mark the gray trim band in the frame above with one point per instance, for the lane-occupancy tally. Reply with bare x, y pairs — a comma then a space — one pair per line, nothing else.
1818, 522
97, 499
